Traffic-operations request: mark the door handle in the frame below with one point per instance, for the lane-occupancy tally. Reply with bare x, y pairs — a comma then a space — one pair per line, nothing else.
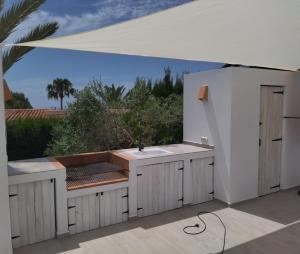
277, 139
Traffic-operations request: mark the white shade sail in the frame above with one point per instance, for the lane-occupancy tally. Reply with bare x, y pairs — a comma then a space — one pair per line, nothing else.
262, 33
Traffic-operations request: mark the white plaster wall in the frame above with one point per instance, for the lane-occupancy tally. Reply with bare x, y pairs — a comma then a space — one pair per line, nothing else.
245, 128
230, 120
211, 119
290, 175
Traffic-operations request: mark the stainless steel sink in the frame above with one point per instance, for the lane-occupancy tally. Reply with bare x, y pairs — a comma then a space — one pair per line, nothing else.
148, 152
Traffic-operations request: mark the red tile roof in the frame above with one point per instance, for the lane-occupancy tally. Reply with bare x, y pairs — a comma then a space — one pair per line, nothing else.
13, 114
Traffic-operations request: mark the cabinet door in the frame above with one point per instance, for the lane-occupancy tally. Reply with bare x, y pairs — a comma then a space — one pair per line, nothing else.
83, 213
97, 210
113, 207
32, 211
202, 180
159, 187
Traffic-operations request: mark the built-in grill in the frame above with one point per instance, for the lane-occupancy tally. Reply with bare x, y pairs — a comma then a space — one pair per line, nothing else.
93, 169
94, 175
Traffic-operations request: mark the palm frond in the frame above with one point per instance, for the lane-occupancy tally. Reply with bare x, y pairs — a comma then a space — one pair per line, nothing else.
16, 53
1, 5
52, 93
15, 15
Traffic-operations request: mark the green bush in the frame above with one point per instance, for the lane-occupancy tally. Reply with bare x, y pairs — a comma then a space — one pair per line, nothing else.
28, 138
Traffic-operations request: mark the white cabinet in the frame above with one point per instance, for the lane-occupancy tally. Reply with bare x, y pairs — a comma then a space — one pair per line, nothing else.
32, 212
202, 180
159, 187
97, 210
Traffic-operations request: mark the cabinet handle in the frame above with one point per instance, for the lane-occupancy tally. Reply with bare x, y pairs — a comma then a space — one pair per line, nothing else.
275, 186
277, 139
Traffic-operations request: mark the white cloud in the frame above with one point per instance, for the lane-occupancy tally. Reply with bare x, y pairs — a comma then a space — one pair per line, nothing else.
106, 12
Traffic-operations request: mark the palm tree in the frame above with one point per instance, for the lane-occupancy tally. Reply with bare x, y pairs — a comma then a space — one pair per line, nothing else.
11, 19
113, 94
59, 89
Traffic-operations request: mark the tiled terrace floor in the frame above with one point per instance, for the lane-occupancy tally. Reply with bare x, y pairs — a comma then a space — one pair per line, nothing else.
269, 224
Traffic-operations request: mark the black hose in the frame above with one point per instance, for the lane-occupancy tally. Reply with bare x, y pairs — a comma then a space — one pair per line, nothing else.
187, 229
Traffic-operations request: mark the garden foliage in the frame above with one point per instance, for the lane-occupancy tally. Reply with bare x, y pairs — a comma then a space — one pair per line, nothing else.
105, 118
28, 138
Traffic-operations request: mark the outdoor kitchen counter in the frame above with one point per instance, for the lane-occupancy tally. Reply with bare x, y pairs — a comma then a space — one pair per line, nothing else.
162, 163
174, 150
31, 166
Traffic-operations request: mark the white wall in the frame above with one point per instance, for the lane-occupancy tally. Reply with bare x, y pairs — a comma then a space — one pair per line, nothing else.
245, 127
211, 119
230, 119
5, 232
290, 176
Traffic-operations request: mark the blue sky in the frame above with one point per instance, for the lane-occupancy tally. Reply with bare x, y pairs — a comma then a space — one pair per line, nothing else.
38, 68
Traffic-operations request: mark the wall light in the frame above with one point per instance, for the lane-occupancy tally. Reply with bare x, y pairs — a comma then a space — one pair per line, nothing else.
203, 93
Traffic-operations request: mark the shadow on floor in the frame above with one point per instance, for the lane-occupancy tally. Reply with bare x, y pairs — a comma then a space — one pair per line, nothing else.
282, 207
284, 241
72, 242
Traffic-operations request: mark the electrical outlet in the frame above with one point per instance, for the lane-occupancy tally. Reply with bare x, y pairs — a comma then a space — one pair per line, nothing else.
204, 140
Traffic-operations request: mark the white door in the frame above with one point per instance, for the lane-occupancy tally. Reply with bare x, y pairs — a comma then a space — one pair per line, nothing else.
202, 179
271, 113
159, 187
32, 211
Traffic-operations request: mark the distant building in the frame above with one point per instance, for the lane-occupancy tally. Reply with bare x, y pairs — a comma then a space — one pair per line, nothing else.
14, 114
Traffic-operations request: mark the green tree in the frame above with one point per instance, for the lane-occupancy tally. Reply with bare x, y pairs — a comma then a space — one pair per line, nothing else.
92, 124
111, 95
59, 89
18, 101
11, 19
163, 88
89, 126
149, 84
178, 86
114, 93
139, 94
138, 101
